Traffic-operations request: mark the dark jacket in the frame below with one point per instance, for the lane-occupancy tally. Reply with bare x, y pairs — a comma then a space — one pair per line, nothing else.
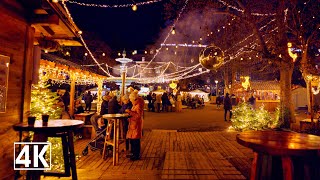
113, 106
88, 98
125, 106
104, 107
227, 103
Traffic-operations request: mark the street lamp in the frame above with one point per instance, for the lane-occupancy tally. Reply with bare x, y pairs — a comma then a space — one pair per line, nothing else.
216, 81
123, 69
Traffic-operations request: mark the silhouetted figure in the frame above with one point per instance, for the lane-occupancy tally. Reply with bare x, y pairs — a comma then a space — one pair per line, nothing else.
227, 107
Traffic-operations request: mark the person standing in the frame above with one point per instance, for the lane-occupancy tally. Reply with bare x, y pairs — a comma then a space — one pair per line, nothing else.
227, 107
113, 105
104, 105
252, 101
158, 102
165, 102
126, 105
66, 100
88, 100
134, 133
179, 103
218, 101
150, 102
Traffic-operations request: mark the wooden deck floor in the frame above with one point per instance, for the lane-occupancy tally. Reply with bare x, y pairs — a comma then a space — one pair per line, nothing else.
168, 154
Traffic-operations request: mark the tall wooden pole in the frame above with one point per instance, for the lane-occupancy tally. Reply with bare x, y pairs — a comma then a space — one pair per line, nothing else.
72, 93
100, 84
123, 83
310, 98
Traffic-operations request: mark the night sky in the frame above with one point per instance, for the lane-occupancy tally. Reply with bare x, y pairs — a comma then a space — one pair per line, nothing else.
121, 27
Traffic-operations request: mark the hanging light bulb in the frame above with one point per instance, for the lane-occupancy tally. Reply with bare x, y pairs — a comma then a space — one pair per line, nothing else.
103, 54
134, 7
86, 54
173, 31
119, 54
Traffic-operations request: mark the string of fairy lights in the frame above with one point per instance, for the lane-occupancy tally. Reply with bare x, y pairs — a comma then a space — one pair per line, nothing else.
138, 71
134, 6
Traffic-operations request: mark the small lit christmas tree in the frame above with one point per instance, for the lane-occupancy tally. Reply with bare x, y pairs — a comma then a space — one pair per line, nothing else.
44, 101
244, 118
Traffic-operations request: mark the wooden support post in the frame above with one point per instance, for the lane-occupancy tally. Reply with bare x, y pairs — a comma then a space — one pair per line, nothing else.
100, 84
72, 93
123, 87
310, 98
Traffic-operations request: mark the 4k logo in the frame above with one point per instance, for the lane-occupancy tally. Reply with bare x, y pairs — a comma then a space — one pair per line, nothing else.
33, 156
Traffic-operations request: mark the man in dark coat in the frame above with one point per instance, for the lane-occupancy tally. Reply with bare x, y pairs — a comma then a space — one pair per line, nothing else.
227, 107
104, 105
113, 106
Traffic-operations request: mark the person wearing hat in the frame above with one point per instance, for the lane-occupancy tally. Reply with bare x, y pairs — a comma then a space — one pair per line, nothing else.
104, 104
134, 133
227, 107
126, 104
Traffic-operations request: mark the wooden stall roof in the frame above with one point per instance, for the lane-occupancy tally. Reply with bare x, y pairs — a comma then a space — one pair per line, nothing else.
53, 60
260, 85
51, 21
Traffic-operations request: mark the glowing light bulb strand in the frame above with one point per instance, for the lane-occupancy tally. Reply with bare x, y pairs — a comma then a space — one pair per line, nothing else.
84, 43
241, 10
165, 40
112, 6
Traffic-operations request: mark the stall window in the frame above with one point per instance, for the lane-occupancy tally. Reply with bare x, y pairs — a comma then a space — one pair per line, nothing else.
4, 74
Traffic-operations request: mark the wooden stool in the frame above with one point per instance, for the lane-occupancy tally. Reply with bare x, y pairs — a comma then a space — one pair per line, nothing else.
108, 140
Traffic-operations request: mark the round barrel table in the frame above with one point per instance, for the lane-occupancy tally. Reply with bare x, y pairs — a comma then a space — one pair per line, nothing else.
295, 153
63, 128
117, 118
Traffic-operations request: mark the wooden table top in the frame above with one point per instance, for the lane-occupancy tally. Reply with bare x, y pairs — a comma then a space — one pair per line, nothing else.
125, 115
84, 114
281, 143
56, 125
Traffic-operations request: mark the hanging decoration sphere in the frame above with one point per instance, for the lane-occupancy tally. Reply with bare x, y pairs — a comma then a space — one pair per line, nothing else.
212, 57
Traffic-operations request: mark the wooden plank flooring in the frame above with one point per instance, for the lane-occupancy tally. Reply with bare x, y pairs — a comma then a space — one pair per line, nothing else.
168, 154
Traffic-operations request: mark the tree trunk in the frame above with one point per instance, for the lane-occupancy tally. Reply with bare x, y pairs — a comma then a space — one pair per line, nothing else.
286, 105
226, 80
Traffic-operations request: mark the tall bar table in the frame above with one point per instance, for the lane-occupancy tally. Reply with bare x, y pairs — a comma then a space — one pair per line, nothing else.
115, 144
63, 128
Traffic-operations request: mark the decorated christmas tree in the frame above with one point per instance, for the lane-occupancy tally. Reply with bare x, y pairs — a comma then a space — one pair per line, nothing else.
245, 117
44, 101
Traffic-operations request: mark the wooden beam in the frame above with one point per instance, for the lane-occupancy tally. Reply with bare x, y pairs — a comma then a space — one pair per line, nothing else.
49, 30
45, 19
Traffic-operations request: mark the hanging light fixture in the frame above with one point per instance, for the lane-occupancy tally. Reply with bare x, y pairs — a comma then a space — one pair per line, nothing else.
173, 85
173, 31
134, 7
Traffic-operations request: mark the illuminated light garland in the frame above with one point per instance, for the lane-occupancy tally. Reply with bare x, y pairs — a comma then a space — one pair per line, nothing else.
84, 43
132, 5
241, 10
250, 35
90, 65
107, 71
165, 40
184, 45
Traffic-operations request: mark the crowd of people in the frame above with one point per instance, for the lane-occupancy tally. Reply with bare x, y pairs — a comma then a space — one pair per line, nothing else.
164, 102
